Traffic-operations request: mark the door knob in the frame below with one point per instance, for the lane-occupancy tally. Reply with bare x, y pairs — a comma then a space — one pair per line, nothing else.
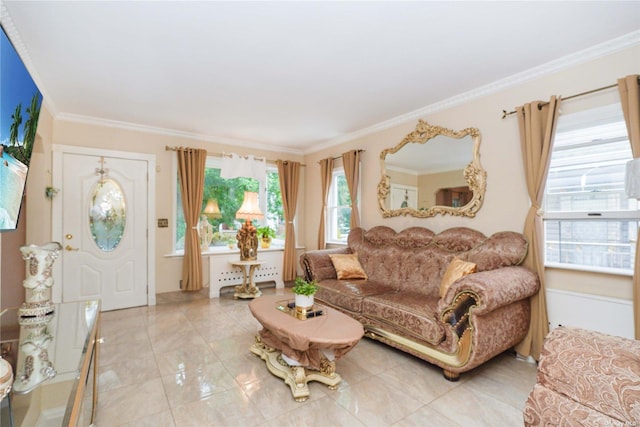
69, 248
68, 236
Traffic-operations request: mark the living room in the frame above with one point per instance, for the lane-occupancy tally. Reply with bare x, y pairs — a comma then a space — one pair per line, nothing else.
506, 200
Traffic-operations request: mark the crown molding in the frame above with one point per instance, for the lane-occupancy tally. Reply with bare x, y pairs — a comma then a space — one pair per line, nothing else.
15, 39
94, 121
585, 55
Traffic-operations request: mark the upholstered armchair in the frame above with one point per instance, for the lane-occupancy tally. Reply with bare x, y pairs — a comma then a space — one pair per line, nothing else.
586, 379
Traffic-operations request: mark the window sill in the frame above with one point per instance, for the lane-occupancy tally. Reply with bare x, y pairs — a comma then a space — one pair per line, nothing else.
223, 250
587, 269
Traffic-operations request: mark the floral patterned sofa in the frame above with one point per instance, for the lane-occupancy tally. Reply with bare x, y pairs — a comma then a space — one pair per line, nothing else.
586, 379
477, 317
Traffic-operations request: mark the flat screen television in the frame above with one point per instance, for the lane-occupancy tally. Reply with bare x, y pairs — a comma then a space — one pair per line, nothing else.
20, 102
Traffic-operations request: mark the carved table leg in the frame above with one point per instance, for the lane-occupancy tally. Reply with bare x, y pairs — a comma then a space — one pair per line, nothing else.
253, 289
296, 377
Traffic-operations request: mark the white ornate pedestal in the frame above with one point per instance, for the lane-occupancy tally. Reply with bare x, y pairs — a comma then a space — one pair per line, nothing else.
39, 262
296, 377
248, 289
34, 364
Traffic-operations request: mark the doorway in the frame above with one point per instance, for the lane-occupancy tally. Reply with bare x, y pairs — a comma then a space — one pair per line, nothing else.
103, 218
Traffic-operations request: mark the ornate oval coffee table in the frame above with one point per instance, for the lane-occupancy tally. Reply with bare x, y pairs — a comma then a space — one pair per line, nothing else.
299, 351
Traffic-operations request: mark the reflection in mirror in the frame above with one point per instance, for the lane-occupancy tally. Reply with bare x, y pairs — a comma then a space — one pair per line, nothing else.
432, 170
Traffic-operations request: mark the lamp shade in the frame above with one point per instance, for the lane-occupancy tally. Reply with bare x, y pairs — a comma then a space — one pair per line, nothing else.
250, 208
632, 179
212, 210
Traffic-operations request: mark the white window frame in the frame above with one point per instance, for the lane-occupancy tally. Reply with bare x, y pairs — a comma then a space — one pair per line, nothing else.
213, 162
331, 213
574, 122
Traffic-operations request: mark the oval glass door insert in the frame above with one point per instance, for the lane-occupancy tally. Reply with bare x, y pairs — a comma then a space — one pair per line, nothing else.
107, 216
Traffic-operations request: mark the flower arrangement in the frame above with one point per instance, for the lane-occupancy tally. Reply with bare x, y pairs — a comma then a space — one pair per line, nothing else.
50, 192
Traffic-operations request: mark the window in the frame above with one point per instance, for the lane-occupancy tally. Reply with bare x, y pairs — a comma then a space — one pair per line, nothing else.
338, 209
229, 193
590, 224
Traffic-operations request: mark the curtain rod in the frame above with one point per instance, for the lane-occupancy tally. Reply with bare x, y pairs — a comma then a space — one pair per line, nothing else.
339, 157
175, 148
505, 113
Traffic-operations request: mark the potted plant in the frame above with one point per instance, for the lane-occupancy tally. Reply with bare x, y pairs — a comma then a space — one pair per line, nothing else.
219, 239
266, 233
304, 292
231, 242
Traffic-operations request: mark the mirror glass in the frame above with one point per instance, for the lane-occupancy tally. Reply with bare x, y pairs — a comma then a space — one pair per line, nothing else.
433, 170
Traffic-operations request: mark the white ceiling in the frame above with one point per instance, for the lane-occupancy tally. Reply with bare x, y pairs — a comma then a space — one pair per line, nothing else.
290, 76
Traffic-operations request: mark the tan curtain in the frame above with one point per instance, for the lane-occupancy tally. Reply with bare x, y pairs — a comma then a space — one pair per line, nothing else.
191, 163
630, 98
351, 164
326, 172
537, 122
289, 178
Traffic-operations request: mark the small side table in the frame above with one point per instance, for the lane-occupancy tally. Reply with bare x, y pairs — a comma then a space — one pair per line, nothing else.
248, 289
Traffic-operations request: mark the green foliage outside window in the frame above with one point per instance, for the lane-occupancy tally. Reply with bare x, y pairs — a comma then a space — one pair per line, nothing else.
344, 207
230, 193
275, 211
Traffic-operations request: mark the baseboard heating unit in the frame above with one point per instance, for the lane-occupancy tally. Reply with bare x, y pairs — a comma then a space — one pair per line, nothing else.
612, 316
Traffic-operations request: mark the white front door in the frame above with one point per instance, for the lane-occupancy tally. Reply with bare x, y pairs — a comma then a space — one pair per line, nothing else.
404, 196
103, 229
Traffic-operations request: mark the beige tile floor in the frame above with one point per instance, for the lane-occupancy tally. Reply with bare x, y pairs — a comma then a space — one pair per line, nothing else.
186, 362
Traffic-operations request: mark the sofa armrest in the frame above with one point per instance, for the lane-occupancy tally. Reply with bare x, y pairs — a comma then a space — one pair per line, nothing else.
317, 265
492, 289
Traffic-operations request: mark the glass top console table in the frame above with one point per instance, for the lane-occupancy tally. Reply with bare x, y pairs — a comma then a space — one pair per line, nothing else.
54, 360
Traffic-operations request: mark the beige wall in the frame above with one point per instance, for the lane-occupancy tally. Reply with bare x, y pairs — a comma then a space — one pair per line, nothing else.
12, 267
168, 269
402, 178
428, 186
506, 201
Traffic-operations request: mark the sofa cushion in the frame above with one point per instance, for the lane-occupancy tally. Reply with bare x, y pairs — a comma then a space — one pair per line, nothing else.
545, 407
349, 294
320, 264
407, 313
598, 371
379, 235
459, 239
457, 268
414, 237
502, 249
347, 266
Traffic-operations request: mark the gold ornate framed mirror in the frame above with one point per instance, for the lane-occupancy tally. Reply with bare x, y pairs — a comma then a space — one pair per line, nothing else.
433, 170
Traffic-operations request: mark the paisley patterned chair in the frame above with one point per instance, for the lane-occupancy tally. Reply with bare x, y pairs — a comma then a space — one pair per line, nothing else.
586, 379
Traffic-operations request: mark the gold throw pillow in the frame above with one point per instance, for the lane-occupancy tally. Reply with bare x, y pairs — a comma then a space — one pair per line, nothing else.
457, 268
347, 266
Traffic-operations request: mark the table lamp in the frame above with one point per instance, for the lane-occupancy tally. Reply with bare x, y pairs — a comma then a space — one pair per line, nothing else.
212, 210
247, 236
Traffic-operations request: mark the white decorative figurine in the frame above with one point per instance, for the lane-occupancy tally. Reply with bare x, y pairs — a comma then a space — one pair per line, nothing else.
205, 230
